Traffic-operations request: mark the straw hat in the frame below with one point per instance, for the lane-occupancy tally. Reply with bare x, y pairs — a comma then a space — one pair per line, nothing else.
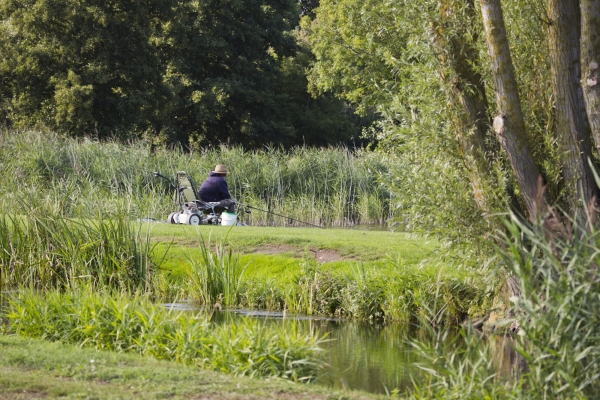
220, 169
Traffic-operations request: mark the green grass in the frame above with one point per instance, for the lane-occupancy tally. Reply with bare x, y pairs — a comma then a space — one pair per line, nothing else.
33, 368
358, 245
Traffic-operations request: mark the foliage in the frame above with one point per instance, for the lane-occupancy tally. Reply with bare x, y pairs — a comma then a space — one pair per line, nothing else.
125, 324
465, 366
400, 59
203, 72
555, 270
381, 55
557, 307
395, 294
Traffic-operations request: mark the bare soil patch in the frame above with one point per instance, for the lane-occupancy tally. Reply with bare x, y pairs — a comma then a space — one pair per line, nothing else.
321, 255
278, 249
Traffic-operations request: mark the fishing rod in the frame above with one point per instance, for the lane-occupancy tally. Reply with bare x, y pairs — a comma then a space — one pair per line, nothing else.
279, 215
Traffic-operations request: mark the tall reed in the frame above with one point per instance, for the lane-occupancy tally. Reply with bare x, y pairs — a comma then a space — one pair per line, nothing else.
556, 271
332, 186
43, 250
215, 277
553, 269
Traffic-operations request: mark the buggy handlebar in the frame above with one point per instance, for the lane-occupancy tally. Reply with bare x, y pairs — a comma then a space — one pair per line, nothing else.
159, 175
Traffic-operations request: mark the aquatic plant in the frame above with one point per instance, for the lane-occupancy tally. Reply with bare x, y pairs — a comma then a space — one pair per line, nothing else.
556, 272
134, 324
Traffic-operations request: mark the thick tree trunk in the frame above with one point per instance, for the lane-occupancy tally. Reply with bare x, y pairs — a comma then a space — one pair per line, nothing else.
590, 60
459, 59
508, 124
572, 127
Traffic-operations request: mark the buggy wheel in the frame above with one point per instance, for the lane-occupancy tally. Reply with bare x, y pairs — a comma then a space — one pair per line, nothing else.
170, 218
194, 219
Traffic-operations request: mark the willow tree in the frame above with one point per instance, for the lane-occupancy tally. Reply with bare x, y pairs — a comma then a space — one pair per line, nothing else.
456, 48
572, 126
417, 64
508, 123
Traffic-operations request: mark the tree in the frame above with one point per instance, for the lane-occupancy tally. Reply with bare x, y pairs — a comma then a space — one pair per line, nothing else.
81, 67
508, 123
536, 110
223, 59
590, 60
203, 72
456, 46
572, 126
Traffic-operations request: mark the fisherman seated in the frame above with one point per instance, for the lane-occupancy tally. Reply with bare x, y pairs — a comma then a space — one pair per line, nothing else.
214, 190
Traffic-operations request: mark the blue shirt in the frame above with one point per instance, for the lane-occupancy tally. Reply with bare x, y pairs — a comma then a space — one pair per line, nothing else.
214, 188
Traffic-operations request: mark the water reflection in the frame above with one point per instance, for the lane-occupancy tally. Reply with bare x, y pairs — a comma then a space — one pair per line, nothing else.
369, 357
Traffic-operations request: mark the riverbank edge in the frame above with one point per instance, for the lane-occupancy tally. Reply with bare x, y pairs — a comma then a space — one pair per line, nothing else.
36, 368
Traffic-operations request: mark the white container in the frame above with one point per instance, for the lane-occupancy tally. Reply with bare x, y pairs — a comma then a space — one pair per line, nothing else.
228, 219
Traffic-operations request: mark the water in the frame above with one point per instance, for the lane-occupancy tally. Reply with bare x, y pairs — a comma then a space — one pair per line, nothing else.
362, 356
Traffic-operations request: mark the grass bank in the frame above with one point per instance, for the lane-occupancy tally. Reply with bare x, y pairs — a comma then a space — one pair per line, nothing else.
135, 325
378, 275
33, 368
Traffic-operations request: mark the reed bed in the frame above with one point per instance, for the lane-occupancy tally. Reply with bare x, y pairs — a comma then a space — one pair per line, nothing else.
46, 251
556, 298
329, 186
133, 324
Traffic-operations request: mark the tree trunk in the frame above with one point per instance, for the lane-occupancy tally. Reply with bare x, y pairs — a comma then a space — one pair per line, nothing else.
590, 59
572, 127
508, 124
458, 55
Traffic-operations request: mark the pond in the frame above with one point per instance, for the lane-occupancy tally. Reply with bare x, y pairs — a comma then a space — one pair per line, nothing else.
363, 356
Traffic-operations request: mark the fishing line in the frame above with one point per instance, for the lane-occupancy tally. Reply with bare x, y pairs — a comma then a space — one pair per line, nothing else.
279, 215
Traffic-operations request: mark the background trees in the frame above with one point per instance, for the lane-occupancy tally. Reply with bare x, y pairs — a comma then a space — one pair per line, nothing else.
459, 113
178, 71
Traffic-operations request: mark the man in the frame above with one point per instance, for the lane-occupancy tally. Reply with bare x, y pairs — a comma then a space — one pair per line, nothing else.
214, 189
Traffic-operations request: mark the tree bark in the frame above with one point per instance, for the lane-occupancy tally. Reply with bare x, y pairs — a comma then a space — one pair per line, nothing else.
572, 127
508, 124
590, 60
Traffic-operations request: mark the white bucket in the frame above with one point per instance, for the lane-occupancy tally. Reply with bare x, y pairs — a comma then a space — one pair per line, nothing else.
228, 219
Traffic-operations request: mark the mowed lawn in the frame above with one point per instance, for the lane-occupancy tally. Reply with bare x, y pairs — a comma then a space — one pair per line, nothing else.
280, 251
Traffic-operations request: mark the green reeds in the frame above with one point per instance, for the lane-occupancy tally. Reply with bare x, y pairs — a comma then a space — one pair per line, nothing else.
551, 267
327, 186
399, 295
215, 277
43, 250
133, 324
555, 270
